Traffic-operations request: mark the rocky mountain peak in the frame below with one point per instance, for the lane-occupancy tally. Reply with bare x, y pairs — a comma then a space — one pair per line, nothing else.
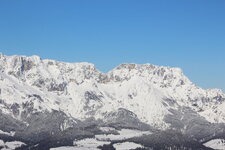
135, 87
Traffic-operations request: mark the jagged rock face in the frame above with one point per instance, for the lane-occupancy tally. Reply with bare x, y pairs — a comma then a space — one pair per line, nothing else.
151, 96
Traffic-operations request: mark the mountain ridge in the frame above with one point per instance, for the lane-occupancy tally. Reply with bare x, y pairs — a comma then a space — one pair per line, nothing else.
142, 96
171, 80
120, 66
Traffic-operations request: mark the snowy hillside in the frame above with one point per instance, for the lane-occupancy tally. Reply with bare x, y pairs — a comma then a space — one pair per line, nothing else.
147, 96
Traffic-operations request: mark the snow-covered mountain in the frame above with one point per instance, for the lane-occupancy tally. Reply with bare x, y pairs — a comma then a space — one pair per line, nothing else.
141, 96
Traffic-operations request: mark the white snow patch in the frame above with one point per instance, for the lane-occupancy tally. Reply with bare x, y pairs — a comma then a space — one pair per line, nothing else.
218, 144
107, 129
11, 145
85, 144
2, 143
126, 146
90, 143
72, 148
11, 133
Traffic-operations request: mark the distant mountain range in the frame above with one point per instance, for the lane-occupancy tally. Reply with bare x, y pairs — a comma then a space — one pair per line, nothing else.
47, 104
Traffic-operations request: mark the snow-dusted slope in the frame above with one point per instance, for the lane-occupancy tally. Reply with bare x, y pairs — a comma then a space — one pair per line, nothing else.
81, 91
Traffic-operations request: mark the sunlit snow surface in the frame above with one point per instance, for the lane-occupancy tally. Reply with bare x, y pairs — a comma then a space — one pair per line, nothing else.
218, 144
149, 92
10, 145
134, 87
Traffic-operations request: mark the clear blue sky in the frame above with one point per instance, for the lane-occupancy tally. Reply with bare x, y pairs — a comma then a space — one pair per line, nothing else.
189, 34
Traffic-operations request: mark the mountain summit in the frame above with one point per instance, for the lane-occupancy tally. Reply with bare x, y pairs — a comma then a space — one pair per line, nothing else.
48, 104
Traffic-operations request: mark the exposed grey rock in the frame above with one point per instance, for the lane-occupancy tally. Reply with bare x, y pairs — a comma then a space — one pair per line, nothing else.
57, 87
90, 95
15, 109
36, 96
26, 65
39, 83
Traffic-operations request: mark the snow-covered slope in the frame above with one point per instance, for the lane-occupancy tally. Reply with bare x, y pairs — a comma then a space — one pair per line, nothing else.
81, 91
